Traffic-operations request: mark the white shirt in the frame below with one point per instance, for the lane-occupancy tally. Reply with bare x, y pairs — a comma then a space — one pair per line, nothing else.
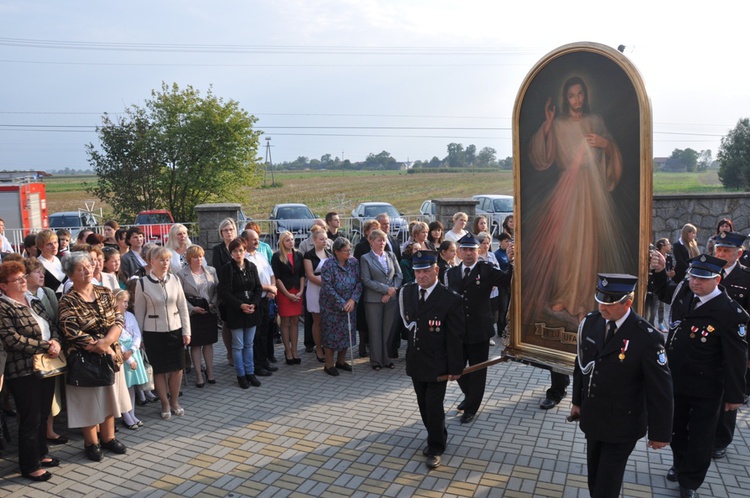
429, 290
265, 273
55, 268
704, 299
6, 247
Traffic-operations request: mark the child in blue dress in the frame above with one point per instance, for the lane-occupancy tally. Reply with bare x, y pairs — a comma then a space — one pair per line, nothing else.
130, 341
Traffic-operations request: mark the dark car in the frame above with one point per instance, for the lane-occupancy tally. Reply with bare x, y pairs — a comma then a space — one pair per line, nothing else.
73, 221
295, 218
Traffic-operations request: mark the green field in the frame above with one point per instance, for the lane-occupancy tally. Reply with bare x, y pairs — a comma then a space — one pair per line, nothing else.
341, 191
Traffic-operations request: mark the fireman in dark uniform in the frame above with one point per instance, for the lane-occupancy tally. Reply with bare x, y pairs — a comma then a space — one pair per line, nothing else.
622, 385
431, 320
707, 352
735, 278
474, 280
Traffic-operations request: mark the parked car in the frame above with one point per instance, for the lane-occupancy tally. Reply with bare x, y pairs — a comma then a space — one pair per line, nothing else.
73, 221
428, 211
155, 224
496, 208
369, 210
296, 218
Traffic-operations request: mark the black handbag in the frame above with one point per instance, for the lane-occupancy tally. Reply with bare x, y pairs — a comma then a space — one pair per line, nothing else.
87, 369
200, 302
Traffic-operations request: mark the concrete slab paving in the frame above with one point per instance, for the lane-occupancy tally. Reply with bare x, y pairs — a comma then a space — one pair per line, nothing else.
304, 433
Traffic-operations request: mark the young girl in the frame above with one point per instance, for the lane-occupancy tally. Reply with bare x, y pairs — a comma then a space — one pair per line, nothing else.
112, 264
130, 340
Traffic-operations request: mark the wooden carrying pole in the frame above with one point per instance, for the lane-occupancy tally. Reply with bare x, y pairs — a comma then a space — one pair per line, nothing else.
478, 366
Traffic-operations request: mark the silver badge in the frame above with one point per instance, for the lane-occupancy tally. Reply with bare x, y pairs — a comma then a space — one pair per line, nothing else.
661, 357
604, 282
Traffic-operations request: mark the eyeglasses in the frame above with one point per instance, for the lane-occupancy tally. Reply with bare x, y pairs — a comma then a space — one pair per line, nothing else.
18, 280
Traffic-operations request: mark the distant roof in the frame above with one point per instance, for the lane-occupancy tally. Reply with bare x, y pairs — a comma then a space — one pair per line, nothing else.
18, 176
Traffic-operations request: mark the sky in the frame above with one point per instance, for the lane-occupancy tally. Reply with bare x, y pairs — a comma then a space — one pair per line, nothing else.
352, 77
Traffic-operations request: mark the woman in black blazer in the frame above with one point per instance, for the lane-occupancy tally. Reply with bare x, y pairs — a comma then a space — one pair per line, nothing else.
221, 256
684, 249
289, 271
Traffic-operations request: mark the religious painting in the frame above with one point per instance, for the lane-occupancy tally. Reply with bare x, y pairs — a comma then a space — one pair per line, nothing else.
583, 188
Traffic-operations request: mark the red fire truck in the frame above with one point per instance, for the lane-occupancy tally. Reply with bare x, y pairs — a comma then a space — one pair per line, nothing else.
23, 204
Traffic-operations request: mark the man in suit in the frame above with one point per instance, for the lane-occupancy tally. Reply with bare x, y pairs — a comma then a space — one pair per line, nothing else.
621, 384
432, 323
474, 280
707, 352
735, 278
392, 243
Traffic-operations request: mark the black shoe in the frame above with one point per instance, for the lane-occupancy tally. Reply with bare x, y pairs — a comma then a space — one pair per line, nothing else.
54, 441
467, 418
331, 371
309, 349
688, 493
427, 451
244, 384
140, 402
672, 475
272, 359
262, 372
548, 403
253, 380
297, 361
200, 385
289, 361
363, 353
344, 366
433, 461
719, 453
461, 406
93, 452
40, 478
115, 446
270, 367
54, 462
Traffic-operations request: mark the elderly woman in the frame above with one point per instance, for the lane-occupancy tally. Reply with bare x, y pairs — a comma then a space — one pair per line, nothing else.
160, 308
240, 290
221, 256
340, 290
313, 261
200, 283
289, 271
178, 242
54, 277
25, 330
381, 278
91, 322
360, 249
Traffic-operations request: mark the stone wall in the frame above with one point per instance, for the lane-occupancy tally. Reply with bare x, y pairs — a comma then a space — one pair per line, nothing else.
446, 208
209, 217
704, 211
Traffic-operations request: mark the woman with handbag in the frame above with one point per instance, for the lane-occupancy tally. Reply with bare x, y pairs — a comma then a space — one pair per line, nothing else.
91, 325
26, 330
199, 283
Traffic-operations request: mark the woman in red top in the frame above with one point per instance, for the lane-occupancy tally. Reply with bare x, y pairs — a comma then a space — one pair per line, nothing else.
289, 270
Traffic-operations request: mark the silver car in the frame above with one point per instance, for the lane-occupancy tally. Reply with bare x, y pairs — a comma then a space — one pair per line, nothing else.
495, 208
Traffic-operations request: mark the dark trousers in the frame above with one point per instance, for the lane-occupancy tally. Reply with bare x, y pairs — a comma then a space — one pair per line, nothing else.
309, 339
559, 383
693, 432
502, 310
33, 403
725, 428
473, 384
364, 336
260, 342
430, 398
606, 463
273, 333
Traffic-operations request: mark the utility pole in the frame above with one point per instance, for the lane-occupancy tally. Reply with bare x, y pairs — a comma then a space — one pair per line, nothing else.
268, 163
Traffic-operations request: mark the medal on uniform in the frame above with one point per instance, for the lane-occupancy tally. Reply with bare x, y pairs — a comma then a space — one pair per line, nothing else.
625, 344
478, 276
703, 334
710, 328
437, 325
432, 325
693, 330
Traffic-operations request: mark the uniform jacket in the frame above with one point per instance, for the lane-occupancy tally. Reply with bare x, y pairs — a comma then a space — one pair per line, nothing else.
625, 391
238, 287
375, 279
718, 364
434, 344
737, 285
475, 290
161, 307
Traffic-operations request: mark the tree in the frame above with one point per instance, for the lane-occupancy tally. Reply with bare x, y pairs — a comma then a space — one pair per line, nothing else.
470, 155
705, 158
383, 160
435, 162
506, 163
734, 156
486, 157
179, 150
456, 155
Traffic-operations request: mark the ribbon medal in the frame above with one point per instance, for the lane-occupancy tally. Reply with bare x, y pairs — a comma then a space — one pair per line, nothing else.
693, 330
704, 333
478, 276
432, 325
625, 344
437, 325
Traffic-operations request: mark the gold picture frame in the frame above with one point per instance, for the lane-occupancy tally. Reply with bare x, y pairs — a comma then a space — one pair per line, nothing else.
582, 149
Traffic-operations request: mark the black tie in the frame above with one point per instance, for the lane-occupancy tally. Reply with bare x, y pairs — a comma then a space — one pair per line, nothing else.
422, 295
466, 273
723, 274
611, 329
694, 303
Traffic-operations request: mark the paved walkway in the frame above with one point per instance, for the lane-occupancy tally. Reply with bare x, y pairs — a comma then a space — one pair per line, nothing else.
304, 433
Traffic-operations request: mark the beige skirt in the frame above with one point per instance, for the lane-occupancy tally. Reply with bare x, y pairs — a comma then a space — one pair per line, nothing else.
89, 406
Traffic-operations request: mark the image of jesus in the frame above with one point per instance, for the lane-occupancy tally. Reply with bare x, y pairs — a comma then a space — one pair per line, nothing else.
573, 232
